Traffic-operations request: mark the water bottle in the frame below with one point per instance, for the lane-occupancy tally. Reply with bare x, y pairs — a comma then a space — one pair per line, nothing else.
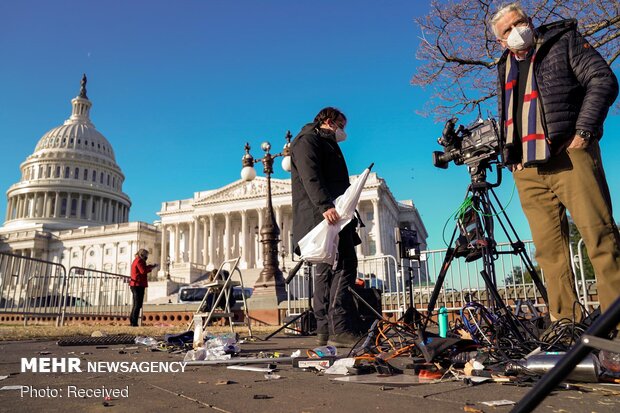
325, 351
198, 340
442, 319
586, 371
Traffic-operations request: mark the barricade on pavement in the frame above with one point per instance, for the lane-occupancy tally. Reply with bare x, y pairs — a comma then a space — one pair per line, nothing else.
34, 288
379, 272
91, 292
30, 287
462, 284
299, 289
585, 286
382, 272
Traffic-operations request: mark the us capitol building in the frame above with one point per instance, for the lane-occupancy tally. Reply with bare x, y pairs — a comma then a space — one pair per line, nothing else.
69, 207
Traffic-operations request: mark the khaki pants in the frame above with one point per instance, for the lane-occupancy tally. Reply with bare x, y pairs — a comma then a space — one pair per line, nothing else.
573, 181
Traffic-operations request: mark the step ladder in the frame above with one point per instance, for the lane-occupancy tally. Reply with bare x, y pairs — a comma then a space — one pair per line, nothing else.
220, 288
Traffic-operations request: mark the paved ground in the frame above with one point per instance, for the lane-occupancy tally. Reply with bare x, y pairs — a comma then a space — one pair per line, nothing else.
199, 388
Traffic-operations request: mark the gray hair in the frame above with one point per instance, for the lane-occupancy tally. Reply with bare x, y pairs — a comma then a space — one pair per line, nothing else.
516, 7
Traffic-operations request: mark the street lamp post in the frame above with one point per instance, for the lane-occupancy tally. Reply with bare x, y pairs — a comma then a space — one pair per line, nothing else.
270, 276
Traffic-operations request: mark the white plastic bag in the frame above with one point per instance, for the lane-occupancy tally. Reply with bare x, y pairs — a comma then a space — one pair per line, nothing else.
320, 245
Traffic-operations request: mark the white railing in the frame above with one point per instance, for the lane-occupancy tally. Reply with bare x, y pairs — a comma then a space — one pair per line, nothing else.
412, 282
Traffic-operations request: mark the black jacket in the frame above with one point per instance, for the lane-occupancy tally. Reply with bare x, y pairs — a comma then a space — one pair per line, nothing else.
318, 176
576, 86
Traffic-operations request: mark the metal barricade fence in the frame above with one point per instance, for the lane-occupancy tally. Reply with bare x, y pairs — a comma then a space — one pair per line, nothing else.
91, 292
30, 286
382, 272
583, 285
463, 282
378, 272
298, 290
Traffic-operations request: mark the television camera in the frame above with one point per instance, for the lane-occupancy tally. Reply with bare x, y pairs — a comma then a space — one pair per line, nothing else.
471, 145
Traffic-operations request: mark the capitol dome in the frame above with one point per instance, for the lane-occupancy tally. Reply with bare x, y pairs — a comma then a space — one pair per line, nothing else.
71, 179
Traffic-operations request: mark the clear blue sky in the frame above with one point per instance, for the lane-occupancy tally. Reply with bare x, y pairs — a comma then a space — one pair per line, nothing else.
178, 87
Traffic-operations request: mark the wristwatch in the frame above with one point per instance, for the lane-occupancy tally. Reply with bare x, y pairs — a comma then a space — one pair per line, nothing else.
585, 135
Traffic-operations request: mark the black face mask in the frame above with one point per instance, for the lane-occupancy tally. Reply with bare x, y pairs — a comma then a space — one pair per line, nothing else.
326, 133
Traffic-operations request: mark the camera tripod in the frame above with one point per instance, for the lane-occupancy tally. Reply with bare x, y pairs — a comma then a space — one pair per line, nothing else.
485, 247
306, 315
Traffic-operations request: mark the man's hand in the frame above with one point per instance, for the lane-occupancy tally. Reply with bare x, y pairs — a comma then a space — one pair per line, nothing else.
331, 216
578, 143
515, 167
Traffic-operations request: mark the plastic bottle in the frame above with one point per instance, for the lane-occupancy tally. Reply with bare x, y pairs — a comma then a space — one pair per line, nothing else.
442, 319
325, 351
146, 341
609, 360
198, 334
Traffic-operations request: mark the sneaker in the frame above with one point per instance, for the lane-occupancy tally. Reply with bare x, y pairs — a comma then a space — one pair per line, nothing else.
561, 334
344, 340
321, 339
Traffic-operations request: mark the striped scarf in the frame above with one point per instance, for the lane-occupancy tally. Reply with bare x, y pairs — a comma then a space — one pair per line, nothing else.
533, 142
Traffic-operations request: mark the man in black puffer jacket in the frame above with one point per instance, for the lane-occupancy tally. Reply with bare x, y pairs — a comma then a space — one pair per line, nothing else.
554, 93
319, 175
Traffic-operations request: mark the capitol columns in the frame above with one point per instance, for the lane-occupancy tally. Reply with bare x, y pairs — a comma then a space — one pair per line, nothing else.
164, 247
279, 217
78, 209
9, 207
176, 242
89, 208
244, 240
205, 241
68, 208
377, 227
45, 208
189, 248
211, 241
115, 263
227, 236
195, 224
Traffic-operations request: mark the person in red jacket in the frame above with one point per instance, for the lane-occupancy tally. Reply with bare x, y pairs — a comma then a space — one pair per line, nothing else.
138, 283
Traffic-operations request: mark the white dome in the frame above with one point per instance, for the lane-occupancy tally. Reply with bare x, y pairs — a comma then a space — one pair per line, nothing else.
72, 178
79, 136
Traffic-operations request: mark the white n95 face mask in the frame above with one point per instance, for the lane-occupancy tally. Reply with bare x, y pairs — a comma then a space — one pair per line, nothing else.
340, 135
520, 38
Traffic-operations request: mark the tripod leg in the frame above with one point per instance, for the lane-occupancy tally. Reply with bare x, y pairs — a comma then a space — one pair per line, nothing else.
450, 253
501, 306
488, 274
309, 310
518, 246
291, 321
371, 308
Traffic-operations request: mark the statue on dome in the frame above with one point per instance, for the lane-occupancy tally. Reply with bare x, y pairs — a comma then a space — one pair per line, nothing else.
83, 86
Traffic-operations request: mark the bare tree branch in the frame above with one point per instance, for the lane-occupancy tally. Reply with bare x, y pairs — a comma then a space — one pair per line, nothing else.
459, 51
